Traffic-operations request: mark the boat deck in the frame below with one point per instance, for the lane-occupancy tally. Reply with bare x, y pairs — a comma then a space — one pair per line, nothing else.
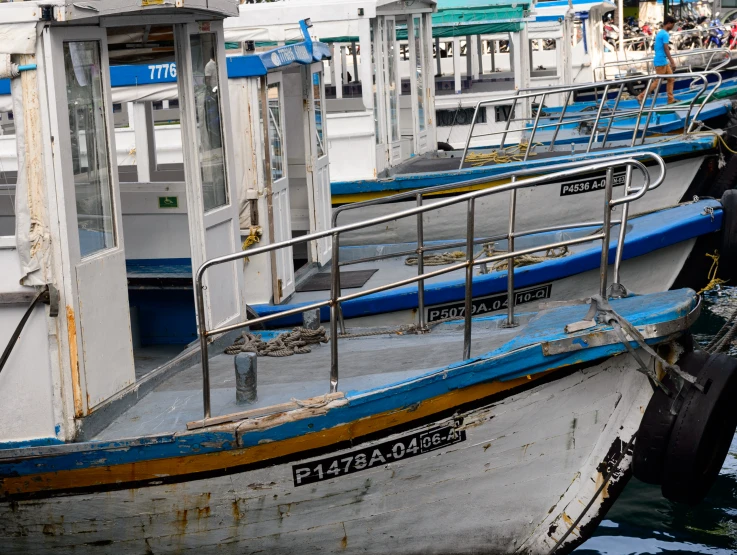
365, 363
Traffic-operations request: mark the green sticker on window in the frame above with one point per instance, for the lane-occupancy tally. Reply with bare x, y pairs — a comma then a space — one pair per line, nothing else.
168, 202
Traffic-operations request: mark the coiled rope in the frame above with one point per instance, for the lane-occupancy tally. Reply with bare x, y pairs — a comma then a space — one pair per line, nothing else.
295, 342
514, 153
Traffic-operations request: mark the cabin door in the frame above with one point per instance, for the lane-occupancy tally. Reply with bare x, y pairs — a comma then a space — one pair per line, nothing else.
418, 78
211, 195
318, 167
97, 315
277, 145
392, 85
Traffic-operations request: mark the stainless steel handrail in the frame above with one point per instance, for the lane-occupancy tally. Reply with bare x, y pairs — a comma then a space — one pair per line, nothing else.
469, 198
710, 53
619, 85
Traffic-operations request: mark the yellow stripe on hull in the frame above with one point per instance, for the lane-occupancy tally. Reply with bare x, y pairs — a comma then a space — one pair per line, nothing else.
359, 197
209, 462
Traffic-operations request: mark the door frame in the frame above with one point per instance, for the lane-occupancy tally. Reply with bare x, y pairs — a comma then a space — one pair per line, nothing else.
320, 250
394, 148
199, 220
283, 279
64, 202
416, 55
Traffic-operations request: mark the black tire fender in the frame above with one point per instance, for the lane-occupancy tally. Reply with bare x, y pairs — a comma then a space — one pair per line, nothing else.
648, 458
728, 245
702, 433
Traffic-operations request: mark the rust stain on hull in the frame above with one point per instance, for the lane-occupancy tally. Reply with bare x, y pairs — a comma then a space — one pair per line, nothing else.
74, 362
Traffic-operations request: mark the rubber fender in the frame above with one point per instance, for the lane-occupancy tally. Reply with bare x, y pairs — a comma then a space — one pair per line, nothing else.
728, 246
725, 180
702, 433
445, 147
648, 459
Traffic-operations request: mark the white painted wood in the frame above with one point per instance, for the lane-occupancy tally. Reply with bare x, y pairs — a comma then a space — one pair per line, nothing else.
318, 169
457, 64
339, 71
99, 298
280, 192
417, 57
352, 132
142, 119
493, 492
215, 232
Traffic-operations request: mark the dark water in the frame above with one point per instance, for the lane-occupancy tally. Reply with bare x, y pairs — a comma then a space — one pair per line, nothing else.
643, 522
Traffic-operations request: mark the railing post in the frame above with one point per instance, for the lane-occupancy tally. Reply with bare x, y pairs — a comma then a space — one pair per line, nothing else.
622, 227
469, 279
560, 121
202, 324
650, 112
534, 128
334, 308
639, 112
606, 231
611, 118
470, 132
420, 266
509, 120
598, 117
510, 261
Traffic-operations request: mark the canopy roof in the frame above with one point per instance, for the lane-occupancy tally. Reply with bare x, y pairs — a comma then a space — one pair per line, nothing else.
261, 63
475, 17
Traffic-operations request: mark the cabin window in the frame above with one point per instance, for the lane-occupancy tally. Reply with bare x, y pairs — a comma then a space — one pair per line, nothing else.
317, 95
276, 133
391, 60
209, 123
419, 77
90, 162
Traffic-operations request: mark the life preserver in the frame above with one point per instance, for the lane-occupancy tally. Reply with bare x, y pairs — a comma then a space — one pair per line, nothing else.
683, 453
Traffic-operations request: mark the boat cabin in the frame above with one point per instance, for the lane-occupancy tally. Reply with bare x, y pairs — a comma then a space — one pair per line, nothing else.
387, 122
66, 253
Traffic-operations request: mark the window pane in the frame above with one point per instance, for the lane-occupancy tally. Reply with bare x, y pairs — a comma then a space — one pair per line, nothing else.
90, 162
209, 125
317, 95
276, 133
418, 72
391, 44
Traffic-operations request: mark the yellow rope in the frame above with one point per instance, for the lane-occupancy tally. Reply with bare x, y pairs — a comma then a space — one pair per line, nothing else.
712, 275
515, 153
724, 143
252, 239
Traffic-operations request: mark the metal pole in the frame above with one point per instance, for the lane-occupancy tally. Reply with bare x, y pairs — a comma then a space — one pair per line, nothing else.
201, 320
534, 127
598, 117
469, 280
611, 118
510, 262
622, 227
493, 50
334, 295
420, 266
639, 113
509, 120
560, 120
606, 231
470, 133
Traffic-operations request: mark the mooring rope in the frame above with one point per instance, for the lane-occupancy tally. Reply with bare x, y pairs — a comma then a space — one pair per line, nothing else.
289, 343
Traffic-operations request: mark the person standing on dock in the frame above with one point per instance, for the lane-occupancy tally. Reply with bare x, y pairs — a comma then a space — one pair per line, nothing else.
663, 61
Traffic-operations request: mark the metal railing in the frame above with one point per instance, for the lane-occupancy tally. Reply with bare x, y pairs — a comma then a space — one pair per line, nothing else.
700, 84
336, 298
705, 60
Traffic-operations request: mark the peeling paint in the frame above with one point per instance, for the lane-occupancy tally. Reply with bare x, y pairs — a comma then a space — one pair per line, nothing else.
74, 362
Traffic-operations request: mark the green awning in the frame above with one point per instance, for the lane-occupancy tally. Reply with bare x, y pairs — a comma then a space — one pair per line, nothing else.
458, 18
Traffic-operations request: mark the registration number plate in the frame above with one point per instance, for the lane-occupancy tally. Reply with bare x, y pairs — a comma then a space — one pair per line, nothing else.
377, 455
491, 303
586, 185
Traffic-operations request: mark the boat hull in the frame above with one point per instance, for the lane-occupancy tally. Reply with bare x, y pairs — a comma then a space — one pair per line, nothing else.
572, 202
518, 471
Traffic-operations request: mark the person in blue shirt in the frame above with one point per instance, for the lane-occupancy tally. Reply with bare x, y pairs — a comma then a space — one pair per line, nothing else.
663, 61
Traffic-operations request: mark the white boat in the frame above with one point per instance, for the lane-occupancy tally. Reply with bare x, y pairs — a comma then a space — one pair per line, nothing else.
514, 432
